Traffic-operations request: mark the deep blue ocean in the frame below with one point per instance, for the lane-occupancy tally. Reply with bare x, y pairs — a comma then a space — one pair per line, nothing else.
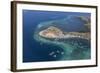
35, 51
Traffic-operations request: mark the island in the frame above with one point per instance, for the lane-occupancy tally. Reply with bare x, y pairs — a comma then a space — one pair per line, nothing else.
54, 32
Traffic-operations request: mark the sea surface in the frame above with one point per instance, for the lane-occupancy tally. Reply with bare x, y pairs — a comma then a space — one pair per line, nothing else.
38, 49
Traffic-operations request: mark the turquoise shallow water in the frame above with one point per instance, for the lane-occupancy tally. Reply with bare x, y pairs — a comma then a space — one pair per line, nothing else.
67, 49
